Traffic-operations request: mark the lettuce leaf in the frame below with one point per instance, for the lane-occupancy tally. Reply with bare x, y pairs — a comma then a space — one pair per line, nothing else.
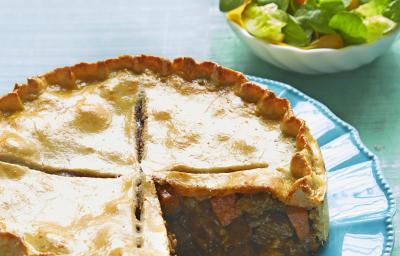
350, 26
392, 11
295, 34
378, 26
265, 21
372, 8
332, 6
317, 19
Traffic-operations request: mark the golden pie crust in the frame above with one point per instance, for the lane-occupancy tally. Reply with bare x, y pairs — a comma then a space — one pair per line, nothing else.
76, 126
45, 213
208, 131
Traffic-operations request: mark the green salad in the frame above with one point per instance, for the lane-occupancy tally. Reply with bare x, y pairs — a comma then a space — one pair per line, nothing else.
315, 23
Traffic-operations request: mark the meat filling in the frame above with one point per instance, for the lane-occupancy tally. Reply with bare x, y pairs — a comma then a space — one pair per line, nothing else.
237, 224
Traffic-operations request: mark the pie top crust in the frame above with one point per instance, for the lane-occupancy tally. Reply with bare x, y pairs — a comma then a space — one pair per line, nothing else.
207, 131
205, 127
45, 213
299, 161
87, 128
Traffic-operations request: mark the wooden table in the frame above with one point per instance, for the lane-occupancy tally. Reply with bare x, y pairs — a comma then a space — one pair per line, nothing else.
37, 36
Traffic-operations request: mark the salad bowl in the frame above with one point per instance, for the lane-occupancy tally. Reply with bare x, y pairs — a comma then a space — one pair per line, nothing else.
315, 61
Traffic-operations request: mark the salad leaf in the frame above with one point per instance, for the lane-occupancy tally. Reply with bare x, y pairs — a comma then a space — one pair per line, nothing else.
392, 11
317, 19
350, 26
372, 8
265, 21
282, 4
332, 6
378, 26
295, 34
227, 5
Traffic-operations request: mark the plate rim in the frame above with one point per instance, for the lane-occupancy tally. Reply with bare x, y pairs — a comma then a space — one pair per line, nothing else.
354, 134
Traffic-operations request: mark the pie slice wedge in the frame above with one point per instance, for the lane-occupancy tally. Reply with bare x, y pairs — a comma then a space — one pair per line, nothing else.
44, 214
78, 119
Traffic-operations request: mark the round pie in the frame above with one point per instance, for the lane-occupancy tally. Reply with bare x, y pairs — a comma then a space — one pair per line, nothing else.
140, 155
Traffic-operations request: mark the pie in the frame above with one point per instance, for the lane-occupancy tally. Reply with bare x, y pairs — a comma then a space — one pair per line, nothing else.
139, 155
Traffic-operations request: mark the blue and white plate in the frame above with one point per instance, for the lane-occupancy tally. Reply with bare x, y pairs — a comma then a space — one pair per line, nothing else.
361, 204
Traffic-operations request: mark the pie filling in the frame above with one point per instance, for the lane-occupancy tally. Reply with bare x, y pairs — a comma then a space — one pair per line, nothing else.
237, 224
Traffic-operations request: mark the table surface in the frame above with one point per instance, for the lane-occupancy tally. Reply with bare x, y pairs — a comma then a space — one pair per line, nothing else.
40, 35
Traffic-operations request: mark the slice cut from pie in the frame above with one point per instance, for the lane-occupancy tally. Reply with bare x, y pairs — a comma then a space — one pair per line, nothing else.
77, 119
43, 214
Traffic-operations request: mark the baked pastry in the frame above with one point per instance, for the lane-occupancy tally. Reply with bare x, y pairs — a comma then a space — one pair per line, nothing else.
221, 165
202, 116
42, 214
70, 120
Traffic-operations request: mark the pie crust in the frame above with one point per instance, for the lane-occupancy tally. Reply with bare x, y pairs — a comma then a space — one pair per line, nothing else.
45, 213
71, 122
240, 137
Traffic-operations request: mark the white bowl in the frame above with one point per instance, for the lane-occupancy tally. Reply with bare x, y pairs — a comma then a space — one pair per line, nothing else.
315, 61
